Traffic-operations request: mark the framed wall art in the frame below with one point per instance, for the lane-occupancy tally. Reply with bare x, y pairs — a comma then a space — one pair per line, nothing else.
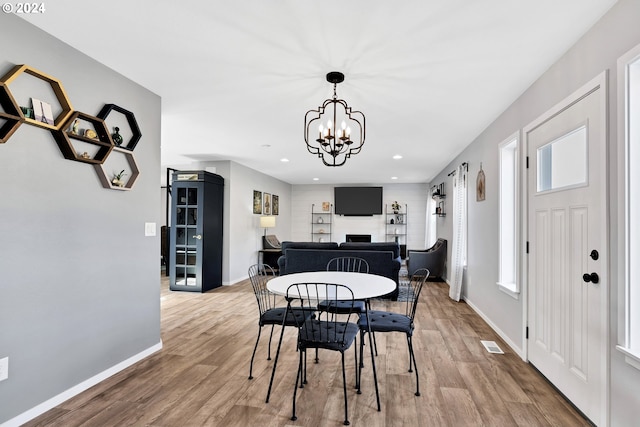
275, 205
266, 204
257, 202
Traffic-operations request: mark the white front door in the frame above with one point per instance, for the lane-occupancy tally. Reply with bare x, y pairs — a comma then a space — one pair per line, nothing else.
567, 261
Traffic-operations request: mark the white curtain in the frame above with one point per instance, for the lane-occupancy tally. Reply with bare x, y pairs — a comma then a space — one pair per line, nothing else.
430, 222
459, 247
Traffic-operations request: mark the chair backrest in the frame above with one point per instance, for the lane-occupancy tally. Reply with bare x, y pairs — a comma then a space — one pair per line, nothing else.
325, 328
259, 274
352, 264
417, 280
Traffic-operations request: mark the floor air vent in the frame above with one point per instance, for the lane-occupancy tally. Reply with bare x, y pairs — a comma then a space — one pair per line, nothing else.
492, 347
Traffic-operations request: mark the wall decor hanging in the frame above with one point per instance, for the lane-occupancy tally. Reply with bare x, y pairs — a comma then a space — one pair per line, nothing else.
257, 202
480, 185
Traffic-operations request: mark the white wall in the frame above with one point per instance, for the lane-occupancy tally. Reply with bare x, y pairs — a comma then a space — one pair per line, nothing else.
413, 195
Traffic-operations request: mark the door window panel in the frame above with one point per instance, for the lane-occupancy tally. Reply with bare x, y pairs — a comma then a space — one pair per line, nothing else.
562, 163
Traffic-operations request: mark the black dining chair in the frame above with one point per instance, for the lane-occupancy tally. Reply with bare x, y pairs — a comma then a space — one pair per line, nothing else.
350, 264
326, 331
270, 313
385, 321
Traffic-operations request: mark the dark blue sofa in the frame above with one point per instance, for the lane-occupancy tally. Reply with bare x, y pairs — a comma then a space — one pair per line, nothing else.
383, 258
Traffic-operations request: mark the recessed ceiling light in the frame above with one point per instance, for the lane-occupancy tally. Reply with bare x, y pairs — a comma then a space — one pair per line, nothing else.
394, 177
284, 160
266, 145
397, 157
316, 179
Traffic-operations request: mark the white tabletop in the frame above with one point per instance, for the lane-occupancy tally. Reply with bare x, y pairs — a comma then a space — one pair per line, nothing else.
363, 286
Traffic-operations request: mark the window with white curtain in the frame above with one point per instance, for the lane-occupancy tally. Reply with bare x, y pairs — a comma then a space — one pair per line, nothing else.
508, 212
629, 95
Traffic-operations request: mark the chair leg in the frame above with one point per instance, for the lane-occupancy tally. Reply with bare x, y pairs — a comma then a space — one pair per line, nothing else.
359, 374
412, 355
295, 388
344, 388
254, 353
355, 356
373, 367
270, 337
275, 363
303, 375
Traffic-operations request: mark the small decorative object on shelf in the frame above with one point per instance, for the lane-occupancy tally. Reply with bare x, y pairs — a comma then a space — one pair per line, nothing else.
117, 178
85, 155
392, 221
117, 138
74, 127
395, 206
28, 112
320, 220
90, 133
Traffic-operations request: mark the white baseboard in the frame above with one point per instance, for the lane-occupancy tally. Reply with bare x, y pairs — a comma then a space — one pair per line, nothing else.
517, 349
77, 389
497, 330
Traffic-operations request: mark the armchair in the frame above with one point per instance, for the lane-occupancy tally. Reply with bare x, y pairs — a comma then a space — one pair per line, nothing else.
433, 259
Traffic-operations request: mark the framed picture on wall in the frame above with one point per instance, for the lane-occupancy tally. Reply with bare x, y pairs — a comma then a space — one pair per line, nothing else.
266, 204
257, 202
275, 205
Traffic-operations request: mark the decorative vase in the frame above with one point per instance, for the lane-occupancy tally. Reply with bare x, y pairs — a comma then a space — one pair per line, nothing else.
320, 220
392, 221
117, 138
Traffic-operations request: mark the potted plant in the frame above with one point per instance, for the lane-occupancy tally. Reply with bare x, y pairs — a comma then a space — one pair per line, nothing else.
117, 178
396, 207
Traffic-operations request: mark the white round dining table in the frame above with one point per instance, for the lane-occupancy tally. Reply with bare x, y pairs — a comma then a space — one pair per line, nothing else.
363, 285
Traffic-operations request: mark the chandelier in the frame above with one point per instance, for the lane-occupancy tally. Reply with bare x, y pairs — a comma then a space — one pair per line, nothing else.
334, 145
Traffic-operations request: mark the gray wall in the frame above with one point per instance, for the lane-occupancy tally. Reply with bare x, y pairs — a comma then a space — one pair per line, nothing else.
79, 281
597, 51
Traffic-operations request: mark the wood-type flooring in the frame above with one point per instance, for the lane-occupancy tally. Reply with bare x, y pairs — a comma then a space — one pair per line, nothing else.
200, 377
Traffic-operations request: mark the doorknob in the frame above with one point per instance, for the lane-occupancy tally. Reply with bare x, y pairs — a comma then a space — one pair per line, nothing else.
593, 277
594, 255
198, 236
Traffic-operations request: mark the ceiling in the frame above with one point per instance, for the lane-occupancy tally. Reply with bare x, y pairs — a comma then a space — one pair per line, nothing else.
236, 78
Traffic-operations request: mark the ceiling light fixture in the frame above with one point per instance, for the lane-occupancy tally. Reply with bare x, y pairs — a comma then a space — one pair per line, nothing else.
334, 146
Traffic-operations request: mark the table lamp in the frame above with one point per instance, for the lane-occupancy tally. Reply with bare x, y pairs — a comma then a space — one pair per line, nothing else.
268, 221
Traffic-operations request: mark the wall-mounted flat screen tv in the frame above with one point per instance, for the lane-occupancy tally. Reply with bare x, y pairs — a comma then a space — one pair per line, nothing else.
357, 201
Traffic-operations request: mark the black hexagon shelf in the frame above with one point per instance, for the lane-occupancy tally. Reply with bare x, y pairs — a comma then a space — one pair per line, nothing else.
131, 119
98, 136
10, 116
57, 88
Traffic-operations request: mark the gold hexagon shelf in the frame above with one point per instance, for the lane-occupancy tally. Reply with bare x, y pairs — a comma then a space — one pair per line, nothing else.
57, 88
133, 175
10, 115
98, 137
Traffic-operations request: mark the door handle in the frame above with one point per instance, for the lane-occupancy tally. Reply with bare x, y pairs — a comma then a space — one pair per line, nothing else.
198, 236
593, 277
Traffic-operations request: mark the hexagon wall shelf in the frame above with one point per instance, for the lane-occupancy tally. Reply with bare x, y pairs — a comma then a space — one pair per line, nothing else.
133, 166
131, 119
57, 88
10, 116
65, 137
